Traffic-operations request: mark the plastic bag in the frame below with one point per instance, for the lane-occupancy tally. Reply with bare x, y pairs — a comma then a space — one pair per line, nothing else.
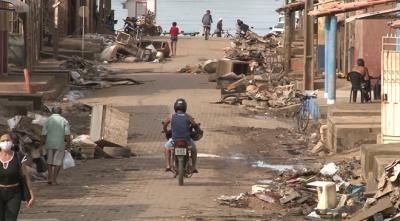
68, 161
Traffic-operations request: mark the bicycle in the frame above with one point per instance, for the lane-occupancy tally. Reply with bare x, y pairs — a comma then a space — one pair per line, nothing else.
303, 113
207, 29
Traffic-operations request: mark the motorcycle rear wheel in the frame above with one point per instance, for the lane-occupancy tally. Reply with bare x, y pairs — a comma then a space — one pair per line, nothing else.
181, 170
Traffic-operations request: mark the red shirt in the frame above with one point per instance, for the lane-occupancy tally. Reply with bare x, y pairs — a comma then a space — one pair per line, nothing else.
174, 31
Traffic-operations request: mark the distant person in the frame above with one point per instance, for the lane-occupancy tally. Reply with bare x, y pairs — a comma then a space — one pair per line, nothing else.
363, 71
242, 28
12, 169
174, 31
56, 137
219, 29
207, 21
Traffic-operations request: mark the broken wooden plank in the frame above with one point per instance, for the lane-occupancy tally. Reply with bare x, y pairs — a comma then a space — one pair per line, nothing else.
381, 205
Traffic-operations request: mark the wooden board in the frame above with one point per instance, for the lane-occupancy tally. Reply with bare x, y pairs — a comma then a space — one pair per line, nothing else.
109, 126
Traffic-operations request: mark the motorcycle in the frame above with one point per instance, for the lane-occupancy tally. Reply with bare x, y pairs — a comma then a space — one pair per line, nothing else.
182, 154
181, 157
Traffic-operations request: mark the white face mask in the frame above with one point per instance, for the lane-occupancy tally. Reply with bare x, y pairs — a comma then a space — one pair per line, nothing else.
6, 145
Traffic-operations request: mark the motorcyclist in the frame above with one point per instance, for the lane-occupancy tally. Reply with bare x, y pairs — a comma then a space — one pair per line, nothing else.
180, 127
207, 20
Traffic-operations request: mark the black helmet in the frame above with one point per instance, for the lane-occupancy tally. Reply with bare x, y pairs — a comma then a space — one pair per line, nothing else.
180, 104
196, 133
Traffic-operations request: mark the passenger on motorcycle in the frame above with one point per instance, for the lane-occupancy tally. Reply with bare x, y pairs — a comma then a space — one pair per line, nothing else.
180, 127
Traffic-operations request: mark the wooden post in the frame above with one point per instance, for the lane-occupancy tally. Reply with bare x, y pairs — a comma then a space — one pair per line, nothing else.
55, 30
308, 71
287, 39
3, 40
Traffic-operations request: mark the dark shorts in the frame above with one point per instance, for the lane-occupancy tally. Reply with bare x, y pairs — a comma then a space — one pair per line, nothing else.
174, 38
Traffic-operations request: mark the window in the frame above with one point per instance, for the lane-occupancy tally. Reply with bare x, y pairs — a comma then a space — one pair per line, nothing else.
141, 8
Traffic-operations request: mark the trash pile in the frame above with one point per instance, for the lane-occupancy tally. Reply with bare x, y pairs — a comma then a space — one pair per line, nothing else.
88, 74
329, 192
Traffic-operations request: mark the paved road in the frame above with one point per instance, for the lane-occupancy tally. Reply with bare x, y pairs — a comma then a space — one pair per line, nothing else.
138, 188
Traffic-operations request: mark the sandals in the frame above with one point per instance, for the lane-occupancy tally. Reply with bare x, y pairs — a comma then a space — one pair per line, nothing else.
168, 169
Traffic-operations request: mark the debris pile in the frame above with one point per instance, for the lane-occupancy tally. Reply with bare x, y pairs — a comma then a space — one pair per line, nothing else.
147, 23
385, 204
264, 82
207, 67
275, 97
88, 74
262, 50
333, 190
256, 91
130, 46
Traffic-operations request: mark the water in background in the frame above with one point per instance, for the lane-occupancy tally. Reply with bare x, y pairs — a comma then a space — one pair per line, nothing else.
259, 14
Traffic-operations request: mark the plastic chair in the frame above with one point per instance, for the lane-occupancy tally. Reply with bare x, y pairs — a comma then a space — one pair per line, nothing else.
356, 80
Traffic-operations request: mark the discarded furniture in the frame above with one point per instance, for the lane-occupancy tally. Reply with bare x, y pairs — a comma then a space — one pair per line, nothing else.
228, 66
159, 45
109, 126
326, 194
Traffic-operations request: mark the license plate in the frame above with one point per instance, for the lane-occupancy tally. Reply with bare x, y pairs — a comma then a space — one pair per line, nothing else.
180, 151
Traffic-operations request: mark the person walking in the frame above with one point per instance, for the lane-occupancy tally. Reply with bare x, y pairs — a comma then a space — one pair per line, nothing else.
56, 138
219, 29
12, 186
174, 31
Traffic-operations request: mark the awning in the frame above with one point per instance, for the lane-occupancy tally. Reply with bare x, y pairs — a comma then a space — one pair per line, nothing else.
18, 6
337, 7
388, 13
295, 6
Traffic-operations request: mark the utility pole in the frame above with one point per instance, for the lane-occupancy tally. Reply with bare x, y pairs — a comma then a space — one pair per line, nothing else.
308, 75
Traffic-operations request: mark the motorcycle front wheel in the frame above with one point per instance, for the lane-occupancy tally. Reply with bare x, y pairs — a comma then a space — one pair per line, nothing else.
181, 170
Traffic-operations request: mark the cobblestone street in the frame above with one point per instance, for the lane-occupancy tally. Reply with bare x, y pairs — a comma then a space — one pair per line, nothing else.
138, 188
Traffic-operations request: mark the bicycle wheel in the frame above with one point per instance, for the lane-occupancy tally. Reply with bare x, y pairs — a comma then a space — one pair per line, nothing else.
303, 118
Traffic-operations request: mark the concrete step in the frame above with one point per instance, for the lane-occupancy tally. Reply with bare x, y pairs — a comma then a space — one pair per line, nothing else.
347, 132
14, 83
355, 109
347, 137
16, 107
370, 151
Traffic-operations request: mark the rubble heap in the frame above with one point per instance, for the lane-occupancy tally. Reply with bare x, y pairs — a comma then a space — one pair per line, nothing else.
86, 73
254, 48
266, 84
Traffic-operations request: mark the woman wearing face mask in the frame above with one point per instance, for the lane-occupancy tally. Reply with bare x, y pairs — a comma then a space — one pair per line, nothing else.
11, 172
